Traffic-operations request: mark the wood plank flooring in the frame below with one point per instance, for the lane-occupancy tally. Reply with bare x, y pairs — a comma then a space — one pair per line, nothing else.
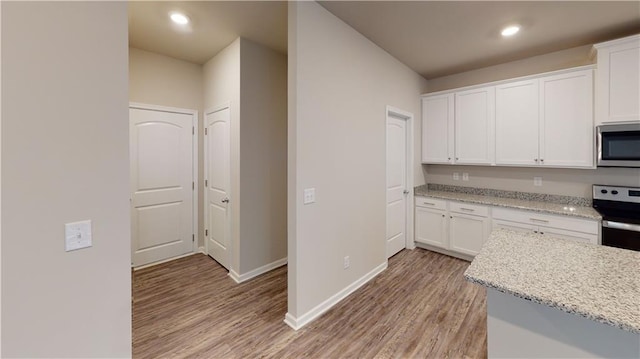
420, 307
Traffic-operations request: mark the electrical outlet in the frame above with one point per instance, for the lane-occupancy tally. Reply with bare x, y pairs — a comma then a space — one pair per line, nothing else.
465, 176
456, 176
309, 195
346, 263
537, 181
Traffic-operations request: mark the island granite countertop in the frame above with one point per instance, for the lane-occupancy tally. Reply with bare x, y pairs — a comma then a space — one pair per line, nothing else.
552, 204
597, 282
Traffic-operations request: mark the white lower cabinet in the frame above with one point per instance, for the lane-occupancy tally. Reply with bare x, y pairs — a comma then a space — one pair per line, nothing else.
451, 225
468, 233
463, 228
431, 227
577, 229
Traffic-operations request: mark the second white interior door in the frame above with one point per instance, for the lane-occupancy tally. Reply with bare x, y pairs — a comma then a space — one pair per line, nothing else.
217, 200
396, 185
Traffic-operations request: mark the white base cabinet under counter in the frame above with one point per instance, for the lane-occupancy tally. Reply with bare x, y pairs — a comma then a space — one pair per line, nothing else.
456, 228
577, 229
469, 227
431, 222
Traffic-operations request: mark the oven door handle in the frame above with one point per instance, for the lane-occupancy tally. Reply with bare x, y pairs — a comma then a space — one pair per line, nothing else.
623, 226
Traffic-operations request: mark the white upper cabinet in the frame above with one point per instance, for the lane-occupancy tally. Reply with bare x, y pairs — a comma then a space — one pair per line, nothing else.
566, 120
618, 80
517, 119
437, 129
539, 121
474, 126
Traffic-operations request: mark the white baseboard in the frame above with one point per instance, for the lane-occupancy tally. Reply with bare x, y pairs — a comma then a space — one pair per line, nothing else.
162, 261
201, 250
308, 317
239, 278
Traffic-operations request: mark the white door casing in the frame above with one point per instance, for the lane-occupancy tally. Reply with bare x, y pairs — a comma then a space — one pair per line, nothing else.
162, 181
217, 180
398, 181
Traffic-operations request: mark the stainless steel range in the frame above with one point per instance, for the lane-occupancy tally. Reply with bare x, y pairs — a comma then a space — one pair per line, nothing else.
620, 210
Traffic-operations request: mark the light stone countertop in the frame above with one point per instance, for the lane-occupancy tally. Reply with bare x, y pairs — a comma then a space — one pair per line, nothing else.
597, 282
517, 203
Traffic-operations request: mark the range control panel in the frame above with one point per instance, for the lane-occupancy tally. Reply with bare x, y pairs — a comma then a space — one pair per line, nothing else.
616, 193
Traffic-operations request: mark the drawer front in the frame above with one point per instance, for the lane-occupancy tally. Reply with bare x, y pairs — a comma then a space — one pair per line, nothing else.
547, 220
428, 202
466, 208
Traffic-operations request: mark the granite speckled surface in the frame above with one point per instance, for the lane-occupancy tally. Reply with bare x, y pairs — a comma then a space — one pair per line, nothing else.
542, 203
597, 282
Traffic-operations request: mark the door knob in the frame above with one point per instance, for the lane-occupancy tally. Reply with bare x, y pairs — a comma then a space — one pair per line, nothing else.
405, 191
225, 200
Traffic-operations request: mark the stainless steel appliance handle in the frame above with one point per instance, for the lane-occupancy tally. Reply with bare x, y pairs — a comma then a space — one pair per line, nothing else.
623, 226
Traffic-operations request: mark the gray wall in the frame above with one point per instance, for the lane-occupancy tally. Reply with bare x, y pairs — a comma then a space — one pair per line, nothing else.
263, 156
339, 85
65, 158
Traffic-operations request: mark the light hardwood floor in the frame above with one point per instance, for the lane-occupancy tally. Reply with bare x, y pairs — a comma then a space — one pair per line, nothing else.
420, 307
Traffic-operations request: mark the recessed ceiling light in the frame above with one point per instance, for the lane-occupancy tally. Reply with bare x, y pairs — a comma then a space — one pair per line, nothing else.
179, 18
510, 30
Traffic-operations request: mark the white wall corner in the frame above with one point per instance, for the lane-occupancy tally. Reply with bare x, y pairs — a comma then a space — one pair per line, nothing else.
313, 314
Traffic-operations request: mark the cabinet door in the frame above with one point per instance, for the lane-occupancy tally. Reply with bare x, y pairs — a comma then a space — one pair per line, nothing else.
467, 233
618, 86
570, 235
566, 120
517, 106
474, 126
437, 129
431, 227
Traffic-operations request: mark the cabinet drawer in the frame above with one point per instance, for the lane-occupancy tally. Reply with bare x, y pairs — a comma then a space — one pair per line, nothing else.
547, 220
428, 202
467, 208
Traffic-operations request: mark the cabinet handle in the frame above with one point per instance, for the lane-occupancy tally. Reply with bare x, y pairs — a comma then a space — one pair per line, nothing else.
429, 203
467, 209
443, 216
542, 160
451, 217
535, 231
538, 220
535, 159
457, 158
541, 232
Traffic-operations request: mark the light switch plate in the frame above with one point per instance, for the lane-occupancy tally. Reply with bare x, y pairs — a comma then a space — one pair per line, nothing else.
465, 176
456, 176
77, 235
309, 195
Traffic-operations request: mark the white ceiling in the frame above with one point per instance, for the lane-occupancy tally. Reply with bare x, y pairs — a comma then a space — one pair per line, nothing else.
435, 38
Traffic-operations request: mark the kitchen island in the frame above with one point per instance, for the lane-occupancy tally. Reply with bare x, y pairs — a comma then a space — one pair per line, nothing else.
549, 297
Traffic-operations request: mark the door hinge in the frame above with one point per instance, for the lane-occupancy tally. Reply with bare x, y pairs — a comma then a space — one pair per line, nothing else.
193, 130
193, 238
205, 131
193, 186
206, 183
206, 232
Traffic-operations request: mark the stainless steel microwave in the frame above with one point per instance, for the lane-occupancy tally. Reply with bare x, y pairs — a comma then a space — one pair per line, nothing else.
618, 145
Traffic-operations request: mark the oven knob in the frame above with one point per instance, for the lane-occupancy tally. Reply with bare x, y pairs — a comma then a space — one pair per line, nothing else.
614, 192
603, 191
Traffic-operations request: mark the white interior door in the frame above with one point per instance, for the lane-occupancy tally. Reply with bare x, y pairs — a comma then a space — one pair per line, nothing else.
396, 185
161, 166
217, 158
